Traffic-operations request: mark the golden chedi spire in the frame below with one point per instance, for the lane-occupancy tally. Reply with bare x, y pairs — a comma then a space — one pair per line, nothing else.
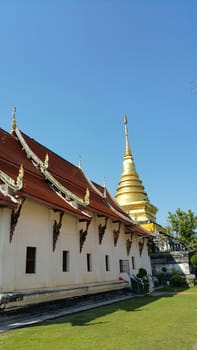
130, 192
127, 149
130, 188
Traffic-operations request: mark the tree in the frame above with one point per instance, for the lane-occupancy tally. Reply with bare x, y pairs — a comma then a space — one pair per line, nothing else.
183, 226
194, 261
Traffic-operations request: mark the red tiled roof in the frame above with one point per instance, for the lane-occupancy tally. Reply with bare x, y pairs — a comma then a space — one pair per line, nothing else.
35, 186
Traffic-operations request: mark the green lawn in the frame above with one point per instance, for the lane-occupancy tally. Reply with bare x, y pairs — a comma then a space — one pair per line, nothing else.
142, 323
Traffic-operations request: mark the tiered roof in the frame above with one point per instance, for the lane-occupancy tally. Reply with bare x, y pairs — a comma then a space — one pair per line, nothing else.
30, 170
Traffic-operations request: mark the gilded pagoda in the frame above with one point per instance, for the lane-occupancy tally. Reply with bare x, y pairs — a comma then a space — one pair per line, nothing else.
131, 194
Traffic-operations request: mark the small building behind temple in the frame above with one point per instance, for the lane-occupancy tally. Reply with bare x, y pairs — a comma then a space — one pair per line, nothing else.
61, 234
165, 250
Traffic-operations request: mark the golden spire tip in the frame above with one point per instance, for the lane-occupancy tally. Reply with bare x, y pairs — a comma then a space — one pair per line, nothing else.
125, 119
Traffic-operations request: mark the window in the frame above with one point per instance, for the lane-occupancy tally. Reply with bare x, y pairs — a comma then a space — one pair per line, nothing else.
107, 266
133, 262
30, 260
89, 262
65, 261
124, 266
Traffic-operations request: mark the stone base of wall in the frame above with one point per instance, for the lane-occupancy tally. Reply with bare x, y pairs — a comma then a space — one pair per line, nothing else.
170, 260
191, 280
18, 299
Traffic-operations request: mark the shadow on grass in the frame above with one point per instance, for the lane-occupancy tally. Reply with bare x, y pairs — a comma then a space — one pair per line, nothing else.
134, 304
83, 318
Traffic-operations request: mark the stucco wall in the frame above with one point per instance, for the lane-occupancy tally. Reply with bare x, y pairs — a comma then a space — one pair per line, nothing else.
35, 229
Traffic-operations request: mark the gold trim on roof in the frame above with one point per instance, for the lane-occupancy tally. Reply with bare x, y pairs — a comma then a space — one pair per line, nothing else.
14, 185
42, 166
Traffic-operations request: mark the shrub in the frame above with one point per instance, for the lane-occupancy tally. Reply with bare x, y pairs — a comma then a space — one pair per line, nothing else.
142, 273
177, 280
194, 261
174, 271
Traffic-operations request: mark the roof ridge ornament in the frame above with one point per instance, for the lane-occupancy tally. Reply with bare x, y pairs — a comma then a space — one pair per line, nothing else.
104, 187
14, 185
91, 184
42, 166
13, 125
79, 163
87, 196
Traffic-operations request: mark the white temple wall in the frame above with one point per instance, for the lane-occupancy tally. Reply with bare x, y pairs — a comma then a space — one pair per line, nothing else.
35, 229
7, 260
141, 261
145, 259
32, 230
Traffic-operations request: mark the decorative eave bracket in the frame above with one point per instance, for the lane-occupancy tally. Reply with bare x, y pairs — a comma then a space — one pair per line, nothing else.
14, 218
83, 234
116, 234
56, 229
128, 245
102, 229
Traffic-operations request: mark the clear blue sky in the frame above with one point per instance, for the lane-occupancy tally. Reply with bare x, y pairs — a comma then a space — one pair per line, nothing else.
72, 68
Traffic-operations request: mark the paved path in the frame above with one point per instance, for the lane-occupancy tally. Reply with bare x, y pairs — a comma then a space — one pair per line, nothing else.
187, 293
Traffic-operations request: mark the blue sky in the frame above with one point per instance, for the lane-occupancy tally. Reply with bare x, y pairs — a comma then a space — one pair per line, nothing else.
73, 68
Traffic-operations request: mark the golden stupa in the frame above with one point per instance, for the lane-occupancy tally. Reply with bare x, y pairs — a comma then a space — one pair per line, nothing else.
131, 194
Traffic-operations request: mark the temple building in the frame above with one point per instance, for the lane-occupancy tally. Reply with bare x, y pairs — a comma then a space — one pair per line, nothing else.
61, 234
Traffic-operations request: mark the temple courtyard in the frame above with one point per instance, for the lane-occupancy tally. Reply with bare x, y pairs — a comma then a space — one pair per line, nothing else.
164, 320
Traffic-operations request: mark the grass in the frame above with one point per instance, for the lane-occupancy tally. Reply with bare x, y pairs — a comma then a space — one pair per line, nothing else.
141, 323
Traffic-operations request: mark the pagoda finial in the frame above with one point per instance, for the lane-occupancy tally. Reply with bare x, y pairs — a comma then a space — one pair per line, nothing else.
125, 119
127, 150
14, 119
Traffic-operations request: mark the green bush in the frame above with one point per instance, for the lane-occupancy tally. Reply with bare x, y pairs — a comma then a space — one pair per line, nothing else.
194, 261
174, 271
177, 280
142, 273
